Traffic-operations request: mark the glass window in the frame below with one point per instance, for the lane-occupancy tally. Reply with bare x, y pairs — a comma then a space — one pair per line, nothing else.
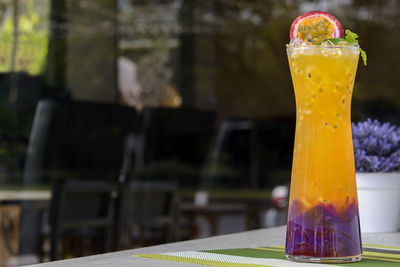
187, 96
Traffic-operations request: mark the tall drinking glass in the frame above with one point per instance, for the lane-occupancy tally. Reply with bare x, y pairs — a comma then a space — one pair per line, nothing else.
323, 223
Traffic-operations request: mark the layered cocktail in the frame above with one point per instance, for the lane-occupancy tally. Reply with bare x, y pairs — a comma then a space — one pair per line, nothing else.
323, 221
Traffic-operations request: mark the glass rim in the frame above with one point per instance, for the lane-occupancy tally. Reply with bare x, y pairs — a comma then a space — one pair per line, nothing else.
323, 47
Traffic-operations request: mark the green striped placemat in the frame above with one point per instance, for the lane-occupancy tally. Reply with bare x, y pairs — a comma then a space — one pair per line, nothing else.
373, 255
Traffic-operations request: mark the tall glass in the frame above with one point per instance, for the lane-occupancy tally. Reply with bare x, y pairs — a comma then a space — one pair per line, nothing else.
323, 223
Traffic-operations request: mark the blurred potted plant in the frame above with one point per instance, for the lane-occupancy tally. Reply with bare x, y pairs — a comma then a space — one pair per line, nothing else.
377, 160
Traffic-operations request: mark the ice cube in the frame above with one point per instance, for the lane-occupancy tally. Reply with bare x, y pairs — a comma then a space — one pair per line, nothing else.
296, 42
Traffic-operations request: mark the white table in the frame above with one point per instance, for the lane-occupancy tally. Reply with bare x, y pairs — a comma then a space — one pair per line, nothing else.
256, 238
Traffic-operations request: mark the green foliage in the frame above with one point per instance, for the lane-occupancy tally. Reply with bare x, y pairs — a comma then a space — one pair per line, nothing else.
32, 40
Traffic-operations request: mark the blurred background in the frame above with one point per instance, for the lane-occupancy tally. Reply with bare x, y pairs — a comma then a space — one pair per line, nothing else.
127, 123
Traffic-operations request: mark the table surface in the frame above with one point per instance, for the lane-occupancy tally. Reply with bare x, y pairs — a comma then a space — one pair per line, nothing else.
256, 238
21, 195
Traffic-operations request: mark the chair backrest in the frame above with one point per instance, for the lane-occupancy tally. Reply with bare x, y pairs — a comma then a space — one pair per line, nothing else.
81, 202
65, 140
78, 204
149, 201
173, 144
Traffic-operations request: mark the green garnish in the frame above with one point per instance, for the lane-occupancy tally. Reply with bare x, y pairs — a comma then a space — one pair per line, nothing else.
336, 41
364, 56
350, 38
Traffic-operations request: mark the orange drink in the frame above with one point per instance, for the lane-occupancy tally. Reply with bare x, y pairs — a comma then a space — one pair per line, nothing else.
323, 223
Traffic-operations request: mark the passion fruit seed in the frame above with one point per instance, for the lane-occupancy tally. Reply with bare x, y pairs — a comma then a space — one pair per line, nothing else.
315, 29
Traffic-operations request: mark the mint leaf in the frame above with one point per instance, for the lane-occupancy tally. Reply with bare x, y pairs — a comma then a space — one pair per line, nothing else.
351, 37
364, 56
336, 41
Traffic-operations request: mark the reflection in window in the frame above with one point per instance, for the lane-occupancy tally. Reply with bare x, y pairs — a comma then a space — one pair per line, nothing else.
23, 35
148, 47
196, 93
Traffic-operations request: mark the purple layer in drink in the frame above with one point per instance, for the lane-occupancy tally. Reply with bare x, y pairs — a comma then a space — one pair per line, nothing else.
323, 231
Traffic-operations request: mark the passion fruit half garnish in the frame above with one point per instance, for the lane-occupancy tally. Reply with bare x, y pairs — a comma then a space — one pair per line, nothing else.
315, 27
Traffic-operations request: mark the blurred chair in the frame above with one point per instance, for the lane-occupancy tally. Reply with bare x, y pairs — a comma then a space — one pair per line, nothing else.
79, 208
171, 144
219, 147
77, 139
34, 218
249, 154
148, 212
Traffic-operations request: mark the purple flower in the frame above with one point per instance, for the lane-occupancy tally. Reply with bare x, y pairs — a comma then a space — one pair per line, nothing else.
376, 146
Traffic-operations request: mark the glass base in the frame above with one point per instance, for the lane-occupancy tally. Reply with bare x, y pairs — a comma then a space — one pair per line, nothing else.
323, 260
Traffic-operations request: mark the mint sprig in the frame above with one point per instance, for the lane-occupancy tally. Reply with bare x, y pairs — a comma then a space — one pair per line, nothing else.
350, 38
